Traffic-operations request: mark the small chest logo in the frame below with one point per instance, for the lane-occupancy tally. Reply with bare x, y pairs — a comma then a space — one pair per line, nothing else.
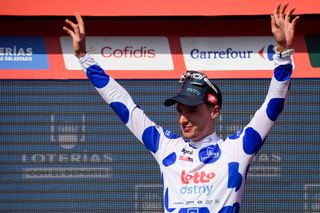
185, 152
210, 154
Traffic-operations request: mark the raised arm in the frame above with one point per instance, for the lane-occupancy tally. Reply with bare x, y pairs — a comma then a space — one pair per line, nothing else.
266, 116
113, 93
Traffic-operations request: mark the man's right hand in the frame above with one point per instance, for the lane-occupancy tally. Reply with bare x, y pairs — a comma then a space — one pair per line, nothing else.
77, 33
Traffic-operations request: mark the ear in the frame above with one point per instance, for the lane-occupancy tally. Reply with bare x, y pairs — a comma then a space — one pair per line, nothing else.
215, 111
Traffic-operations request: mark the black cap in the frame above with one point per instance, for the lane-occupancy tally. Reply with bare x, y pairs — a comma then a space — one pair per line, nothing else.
196, 89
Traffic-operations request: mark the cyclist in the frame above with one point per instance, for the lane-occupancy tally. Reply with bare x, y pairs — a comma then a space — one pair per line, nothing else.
201, 172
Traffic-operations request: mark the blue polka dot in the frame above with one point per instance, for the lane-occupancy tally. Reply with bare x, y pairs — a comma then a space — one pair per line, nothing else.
170, 159
274, 108
283, 72
234, 177
151, 139
97, 76
121, 110
252, 141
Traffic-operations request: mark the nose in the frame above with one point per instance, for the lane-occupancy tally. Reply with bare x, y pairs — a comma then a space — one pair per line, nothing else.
182, 119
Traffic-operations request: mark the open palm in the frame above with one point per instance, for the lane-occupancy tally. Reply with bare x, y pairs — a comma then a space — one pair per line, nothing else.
282, 27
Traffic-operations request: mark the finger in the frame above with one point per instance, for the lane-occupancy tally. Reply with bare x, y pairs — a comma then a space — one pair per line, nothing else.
73, 25
295, 21
289, 14
80, 22
273, 23
277, 10
283, 9
75, 28
70, 32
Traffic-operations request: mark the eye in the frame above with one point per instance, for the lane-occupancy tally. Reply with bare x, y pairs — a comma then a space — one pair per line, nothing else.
192, 111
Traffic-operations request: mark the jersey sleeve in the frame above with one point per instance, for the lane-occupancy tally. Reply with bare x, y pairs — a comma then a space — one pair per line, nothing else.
145, 130
253, 135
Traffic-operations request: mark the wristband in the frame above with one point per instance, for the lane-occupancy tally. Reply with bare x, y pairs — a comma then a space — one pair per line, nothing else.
285, 54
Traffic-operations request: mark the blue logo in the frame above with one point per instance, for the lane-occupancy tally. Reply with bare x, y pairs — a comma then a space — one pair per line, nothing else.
269, 50
169, 134
23, 53
210, 154
236, 135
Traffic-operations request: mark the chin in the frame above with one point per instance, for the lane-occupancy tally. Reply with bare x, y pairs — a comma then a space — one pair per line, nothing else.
188, 136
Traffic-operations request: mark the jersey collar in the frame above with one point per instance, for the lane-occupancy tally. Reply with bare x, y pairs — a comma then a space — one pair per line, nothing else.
210, 139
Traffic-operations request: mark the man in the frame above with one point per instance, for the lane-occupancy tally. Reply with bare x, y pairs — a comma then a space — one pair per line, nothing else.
200, 171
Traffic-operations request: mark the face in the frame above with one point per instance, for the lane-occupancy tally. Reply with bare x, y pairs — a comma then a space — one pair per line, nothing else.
197, 122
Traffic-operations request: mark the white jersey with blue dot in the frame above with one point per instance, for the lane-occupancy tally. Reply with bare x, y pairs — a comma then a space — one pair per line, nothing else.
207, 176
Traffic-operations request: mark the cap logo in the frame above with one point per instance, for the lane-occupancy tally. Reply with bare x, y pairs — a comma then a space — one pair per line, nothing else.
197, 76
212, 99
192, 90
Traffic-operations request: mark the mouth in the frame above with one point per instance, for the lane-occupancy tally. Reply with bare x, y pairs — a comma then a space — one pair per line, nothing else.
186, 129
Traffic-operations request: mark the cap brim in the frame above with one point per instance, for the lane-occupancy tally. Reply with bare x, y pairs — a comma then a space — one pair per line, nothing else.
183, 99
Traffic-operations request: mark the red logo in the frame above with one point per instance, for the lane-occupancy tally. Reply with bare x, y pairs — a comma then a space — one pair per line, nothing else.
196, 177
185, 158
128, 52
212, 99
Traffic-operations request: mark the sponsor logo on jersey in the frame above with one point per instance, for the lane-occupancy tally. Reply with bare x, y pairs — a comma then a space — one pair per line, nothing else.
209, 202
178, 203
189, 202
185, 158
169, 134
195, 182
196, 177
185, 152
210, 154
236, 135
